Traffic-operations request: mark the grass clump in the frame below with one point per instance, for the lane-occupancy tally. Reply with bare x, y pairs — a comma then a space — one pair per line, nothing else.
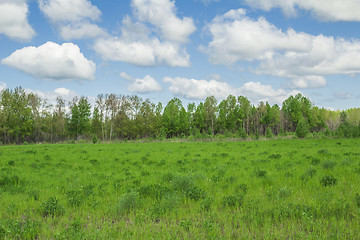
328, 181
52, 207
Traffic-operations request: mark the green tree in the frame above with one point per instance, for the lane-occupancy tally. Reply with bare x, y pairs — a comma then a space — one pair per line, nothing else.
301, 129
18, 122
171, 117
210, 108
80, 117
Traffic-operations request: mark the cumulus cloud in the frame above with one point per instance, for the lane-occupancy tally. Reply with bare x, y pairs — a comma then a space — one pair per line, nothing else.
53, 62
141, 45
13, 20
308, 82
51, 96
142, 85
304, 58
200, 89
142, 53
334, 10
74, 19
162, 14
258, 92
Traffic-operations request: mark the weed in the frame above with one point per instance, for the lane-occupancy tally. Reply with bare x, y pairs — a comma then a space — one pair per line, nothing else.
155, 191
260, 173
233, 200
52, 208
34, 194
206, 203
11, 163
241, 189
128, 202
311, 172
186, 224
323, 151
73, 231
275, 156
328, 181
357, 200
23, 228
329, 165
315, 161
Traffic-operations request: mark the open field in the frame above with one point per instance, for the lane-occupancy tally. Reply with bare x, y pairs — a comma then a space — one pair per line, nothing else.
187, 190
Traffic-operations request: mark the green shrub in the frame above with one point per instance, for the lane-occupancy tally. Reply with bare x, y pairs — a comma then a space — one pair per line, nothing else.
301, 129
268, 133
52, 207
260, 173
94, 139
328, 181
233, 200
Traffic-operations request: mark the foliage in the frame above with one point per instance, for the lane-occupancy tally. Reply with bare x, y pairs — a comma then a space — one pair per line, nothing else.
52, 207
181, 190
328, 181
25, 118
301, 129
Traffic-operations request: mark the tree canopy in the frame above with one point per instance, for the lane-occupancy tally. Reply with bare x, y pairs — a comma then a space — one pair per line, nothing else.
25, 117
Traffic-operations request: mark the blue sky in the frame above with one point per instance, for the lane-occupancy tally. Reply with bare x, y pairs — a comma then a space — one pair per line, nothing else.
265, 50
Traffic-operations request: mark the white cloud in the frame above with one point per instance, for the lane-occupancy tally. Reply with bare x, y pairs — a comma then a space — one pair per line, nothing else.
237, 38
69, 10
52, 61
13, 20
334, 10
304, 58
138, 45
343, 95
142, 85
74, 19
257, 92
80, 31
2, 86
126, 76
142, 53
162, 14
200, 89
309, 82
50, 96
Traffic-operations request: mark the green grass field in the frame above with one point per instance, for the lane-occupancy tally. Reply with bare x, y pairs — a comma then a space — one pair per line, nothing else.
300, 189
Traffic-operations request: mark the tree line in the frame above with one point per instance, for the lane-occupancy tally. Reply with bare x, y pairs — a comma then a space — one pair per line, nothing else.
25, 117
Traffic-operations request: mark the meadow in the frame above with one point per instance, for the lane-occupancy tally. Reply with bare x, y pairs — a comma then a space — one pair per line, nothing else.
299, 189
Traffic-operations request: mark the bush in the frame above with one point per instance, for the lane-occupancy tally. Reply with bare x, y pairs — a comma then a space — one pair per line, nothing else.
94, 139
233, 200
269, 133
241, 133
301, 129
328, 181
260, 173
